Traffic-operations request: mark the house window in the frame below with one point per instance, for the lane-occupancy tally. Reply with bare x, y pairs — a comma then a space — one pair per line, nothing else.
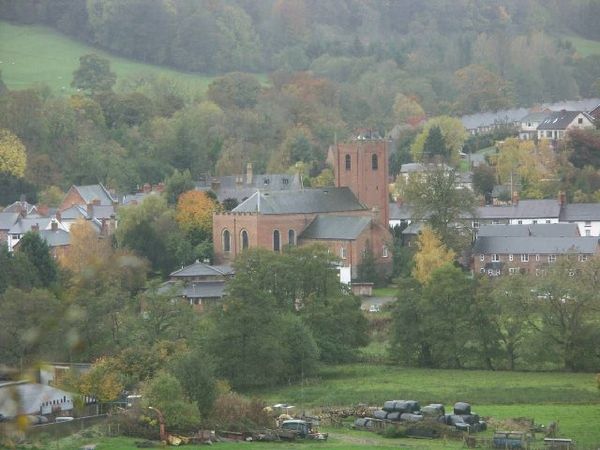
588, 223
348, 162
481, 257
482, 270
588, 232
510, 257
534, 222
520, 222
524, 257
551, 258
495, 257
513, 270
547, 220
276, 241
475, 225
285, 181
384, 251
582, 258
537, 257
226, 238
343, 252
374, 162
580, 120
291, 237
244, 238
495, 222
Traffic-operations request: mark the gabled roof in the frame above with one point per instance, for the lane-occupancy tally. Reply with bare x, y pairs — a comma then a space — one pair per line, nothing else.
560, 120
336, 227
74, 212
19, 206
203, 289
524, 209
23, 225
199, 269
539, 230
8, 219
580, 211
301, 202
535, 244
92, 192
537, 116
56, 238
236, 186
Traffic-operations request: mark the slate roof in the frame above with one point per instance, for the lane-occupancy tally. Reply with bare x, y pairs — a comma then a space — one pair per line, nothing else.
19, 206
560, 120
413, 228
235, 186
336, 227
302, 202
400, 212
539, 230
74, 212
524, 209
93, 192
203, 289
56, 238
580, 211
7, 220
536, 116
103, 211
24, 225
199, 269
534, 244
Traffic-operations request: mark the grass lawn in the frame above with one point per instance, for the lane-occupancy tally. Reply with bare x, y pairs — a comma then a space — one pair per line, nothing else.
584, 47
32, 55
385, 292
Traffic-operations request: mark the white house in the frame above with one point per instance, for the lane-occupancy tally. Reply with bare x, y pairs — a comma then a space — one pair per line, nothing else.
557, 123
585, 215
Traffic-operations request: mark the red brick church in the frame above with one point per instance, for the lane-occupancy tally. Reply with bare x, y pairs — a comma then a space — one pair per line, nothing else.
347, 218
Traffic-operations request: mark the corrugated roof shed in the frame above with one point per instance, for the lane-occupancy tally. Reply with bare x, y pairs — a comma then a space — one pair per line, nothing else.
336, 227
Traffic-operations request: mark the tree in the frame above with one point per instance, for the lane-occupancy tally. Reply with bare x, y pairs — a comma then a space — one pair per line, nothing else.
484, 179
430, 256
177, 184
194, 215
13, 158
584, 147
236, 89
453, 133
165, 393
87, 249
93, 74
195, 372
481, 90
407, 110
38, 253
434, 145
101, 382
437, 200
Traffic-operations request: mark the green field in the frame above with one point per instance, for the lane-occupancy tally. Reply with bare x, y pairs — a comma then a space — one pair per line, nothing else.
584, 47
570, 399
33, 55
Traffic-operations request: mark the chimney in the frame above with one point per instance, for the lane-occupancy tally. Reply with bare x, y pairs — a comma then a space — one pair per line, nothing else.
249, 174
35, 228
54, 225
58, 216
562, 198
215, 184
515, 198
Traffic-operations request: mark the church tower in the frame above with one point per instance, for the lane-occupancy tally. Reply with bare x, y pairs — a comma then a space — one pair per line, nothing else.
362, 165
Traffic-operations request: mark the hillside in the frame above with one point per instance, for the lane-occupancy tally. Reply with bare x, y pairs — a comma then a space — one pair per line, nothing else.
32, 54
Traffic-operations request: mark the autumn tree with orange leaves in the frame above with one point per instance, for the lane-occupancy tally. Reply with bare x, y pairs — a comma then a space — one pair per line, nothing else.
194, 215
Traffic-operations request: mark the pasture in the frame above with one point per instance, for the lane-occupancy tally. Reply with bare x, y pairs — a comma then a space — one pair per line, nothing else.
33, 55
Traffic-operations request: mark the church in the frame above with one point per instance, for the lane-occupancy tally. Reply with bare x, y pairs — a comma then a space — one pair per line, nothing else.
349, 219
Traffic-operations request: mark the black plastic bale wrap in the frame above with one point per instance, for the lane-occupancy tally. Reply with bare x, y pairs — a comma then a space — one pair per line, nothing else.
461, 408
409, 417
433, 410
445, 419
461, 426
361, 422
395, 415
471, 419
380, 414
407, 406
455, 418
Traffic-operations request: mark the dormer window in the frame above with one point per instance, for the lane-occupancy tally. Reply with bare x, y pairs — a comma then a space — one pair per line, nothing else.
348, 162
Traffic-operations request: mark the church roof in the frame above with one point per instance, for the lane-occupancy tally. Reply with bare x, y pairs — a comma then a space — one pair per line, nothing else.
306, 201
336, 227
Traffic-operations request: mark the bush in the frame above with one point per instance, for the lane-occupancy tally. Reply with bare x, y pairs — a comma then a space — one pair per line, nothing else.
235, 412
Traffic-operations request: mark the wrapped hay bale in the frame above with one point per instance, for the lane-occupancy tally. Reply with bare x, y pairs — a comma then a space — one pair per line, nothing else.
390, 404
471, 419
407, 406
410, 417
380, 414
433, 410
395, 415
462, 408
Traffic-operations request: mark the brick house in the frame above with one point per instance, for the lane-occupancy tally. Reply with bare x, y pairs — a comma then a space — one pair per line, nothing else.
359, 202
94, 194
512, 249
